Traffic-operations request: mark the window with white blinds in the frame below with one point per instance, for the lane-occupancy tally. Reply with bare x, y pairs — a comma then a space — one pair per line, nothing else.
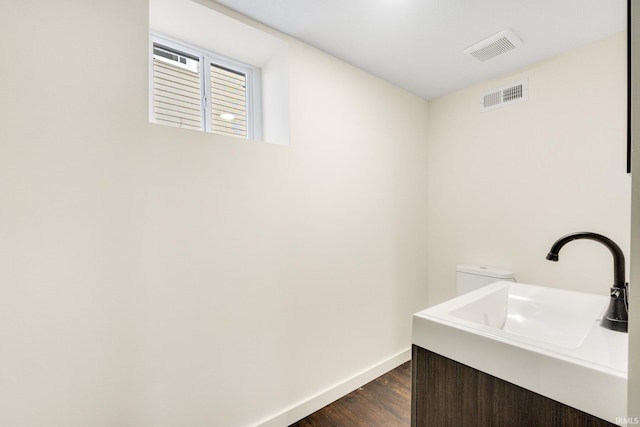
228, 101
176, 89
196, 89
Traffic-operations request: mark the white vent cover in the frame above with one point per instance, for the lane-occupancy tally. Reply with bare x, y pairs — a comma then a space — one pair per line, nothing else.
505, 95
497, 44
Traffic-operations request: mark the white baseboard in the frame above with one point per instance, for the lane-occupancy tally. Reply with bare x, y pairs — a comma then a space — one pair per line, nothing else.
312, 404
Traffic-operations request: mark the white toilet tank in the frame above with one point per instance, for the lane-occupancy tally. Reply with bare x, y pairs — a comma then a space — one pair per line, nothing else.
472, 277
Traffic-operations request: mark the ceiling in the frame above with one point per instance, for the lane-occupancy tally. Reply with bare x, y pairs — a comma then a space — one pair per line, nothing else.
418, 44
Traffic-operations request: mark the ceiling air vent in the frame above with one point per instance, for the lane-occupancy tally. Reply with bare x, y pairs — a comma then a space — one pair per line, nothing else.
497, 44
505, 95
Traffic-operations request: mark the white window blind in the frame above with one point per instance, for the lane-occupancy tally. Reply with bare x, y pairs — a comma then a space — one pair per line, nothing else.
228, 101
176, 89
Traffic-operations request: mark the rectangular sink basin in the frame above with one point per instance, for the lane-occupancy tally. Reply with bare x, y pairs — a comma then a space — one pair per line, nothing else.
546, 340
554, 316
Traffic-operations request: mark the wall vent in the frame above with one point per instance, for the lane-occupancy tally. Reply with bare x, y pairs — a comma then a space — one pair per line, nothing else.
497, 44
505, 95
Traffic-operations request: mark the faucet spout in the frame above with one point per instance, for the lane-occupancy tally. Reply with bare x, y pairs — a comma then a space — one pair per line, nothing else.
618, 256
616, 318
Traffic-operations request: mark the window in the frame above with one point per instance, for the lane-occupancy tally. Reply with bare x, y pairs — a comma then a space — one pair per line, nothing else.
195, 89
177, 92
210, 30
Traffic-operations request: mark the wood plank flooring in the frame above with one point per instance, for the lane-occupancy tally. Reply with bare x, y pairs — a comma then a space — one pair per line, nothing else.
384, 402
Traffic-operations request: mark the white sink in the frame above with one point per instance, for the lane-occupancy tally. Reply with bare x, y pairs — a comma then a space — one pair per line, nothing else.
551, 315
544, 339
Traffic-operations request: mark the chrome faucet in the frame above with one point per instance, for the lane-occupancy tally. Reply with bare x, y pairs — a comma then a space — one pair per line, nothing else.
616, 317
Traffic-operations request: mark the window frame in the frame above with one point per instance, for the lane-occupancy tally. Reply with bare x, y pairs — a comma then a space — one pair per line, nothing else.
206, 58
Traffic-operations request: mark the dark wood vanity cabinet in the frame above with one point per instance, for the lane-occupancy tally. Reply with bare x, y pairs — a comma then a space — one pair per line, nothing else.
447, 393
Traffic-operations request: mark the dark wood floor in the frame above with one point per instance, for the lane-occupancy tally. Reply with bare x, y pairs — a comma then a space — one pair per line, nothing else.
384, 402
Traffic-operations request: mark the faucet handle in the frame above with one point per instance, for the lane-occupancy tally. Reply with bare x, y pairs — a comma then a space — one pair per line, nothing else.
616, 317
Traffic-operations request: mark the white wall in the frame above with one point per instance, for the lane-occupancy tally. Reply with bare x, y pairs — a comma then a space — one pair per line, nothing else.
154, 276
505, 184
